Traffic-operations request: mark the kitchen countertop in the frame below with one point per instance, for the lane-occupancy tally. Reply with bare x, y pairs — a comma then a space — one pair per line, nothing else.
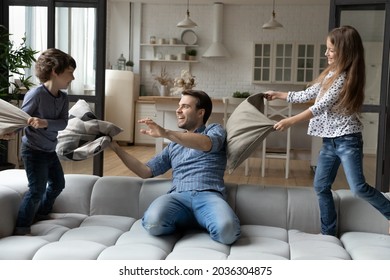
148, 99
152, 99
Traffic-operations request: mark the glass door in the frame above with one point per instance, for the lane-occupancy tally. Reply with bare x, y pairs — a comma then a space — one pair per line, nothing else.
376, 43
71, 26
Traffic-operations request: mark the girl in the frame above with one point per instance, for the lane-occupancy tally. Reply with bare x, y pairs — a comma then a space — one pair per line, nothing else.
339, 95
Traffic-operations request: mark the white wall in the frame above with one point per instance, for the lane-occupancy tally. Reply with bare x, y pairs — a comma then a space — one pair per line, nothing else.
118, 31
242, 27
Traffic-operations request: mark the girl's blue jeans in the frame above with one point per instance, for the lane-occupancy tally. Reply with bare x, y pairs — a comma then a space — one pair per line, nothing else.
191, 209
348, 151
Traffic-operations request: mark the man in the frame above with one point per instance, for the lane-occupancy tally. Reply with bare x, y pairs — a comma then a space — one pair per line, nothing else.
197, 157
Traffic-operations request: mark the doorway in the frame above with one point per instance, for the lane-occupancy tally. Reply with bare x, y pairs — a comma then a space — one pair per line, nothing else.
76, 27
374, 31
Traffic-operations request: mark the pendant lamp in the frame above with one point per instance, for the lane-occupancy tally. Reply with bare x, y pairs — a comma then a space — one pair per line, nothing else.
273, 23
187, 22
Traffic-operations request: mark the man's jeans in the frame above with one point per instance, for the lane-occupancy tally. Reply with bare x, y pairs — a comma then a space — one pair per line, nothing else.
45, 182
190, 209
347, 150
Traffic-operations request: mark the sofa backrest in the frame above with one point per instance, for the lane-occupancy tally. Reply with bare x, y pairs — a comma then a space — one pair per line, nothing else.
290, 208
356, 214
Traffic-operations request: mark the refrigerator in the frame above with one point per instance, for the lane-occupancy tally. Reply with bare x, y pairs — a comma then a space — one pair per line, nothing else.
121, 93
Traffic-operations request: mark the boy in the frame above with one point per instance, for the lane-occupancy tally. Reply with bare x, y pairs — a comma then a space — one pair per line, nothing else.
48, 107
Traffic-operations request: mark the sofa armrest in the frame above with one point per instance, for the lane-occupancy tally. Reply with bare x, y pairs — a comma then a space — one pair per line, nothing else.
357, 214
9, 205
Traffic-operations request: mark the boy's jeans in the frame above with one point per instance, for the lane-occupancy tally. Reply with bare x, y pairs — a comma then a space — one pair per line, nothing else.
45, 182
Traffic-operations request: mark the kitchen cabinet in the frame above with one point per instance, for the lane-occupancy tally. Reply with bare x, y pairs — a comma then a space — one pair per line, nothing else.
283, 62
287, 62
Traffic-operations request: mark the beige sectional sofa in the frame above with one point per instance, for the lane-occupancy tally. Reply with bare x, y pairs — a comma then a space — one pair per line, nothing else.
99, 218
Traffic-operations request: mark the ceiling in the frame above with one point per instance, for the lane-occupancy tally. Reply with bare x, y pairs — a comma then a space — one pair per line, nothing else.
234, 2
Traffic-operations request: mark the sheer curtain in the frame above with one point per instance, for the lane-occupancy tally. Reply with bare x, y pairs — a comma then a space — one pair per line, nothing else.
29, 22
75, 34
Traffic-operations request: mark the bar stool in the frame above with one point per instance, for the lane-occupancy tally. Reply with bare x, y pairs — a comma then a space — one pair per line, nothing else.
230, 103
277, 109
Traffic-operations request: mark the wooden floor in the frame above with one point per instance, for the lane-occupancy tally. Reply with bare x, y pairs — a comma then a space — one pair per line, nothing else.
301, 173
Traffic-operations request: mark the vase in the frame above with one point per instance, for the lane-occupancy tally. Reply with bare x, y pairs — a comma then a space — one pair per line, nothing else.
164, 90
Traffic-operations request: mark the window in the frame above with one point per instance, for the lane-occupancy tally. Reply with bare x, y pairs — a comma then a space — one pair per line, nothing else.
76, 35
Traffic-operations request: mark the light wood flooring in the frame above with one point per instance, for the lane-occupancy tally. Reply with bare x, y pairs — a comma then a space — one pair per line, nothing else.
301, 173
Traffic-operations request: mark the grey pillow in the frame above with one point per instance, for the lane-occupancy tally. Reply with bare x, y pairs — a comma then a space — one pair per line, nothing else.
246, 129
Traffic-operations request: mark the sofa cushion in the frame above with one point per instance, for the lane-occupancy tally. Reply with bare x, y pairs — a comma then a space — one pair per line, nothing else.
15, 179
352, 211
197, 245
302, 206
133, 251
151, 189
116, 195
9, 205
20, 247
76, 197
261, 243
307, 246
70, 250
367, 246
137, 244
106, 236
255, 203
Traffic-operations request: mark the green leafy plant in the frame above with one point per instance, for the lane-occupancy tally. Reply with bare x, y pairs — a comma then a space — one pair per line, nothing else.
192, 52
238, 94
13, 60
130, 63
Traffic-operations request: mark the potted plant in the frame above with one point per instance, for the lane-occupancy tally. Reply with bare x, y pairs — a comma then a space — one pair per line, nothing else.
13, 59
192, 54
129, 65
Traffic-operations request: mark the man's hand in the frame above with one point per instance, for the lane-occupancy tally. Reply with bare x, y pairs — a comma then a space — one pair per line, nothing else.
154, 130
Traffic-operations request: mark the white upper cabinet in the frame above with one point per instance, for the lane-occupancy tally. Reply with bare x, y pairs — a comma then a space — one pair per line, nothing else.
287, 63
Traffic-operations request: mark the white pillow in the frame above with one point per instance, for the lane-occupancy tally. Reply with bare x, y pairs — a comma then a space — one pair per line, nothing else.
85, 136
11, 118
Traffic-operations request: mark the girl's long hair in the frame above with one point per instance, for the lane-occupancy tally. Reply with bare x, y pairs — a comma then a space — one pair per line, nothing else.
349, 59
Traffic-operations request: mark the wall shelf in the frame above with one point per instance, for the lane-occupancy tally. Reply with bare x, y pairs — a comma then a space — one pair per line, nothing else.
169, 61
161, 59
168, 45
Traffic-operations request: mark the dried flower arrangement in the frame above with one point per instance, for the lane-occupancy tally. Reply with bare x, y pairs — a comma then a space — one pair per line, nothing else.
185, 81
164, 79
